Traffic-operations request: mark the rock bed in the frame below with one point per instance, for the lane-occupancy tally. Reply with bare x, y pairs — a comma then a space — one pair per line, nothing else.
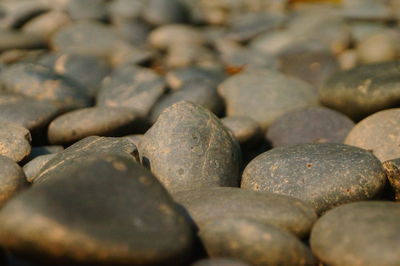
203, 133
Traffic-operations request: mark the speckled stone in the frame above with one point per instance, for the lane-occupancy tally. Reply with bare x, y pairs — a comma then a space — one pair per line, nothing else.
14, 141
379, 133
92, 121
132, 87
82, 149
363, 90
124, 217
189, 148
207, 204
325, 175
41, 83
33, 168
309, 125
253, 242
12, 179
265, 95
219, 262
244, 128
392, 168
361, 233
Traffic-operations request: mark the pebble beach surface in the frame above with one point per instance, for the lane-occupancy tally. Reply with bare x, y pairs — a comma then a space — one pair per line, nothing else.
199, 132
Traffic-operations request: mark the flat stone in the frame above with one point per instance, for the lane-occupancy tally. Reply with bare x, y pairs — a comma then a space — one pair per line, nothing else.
14, 141
361, 233
287, 213
92, 121
309, 125
202, 93
325, 175
392, 168
363, 90
378, 133
47, 23
124, 217
244, 129
219, 262
83, 148
41, 83
265, 95
189, 148
26, 112
12, 179
253, 242
132, 87
34, 167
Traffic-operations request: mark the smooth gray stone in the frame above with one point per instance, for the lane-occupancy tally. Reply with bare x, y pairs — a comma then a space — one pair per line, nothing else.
189, 148
287, 213
33, 168
360, 233
324, 175
14, 141
114, 208
134, 31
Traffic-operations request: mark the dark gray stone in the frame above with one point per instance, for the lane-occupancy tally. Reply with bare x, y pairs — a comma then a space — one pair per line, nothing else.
325, 175
34, 167
309, 125
41, 83
379, 133
188, 148
363, 90
253, 242
14, 141
12, 179
123, 217
287, 213
132, 87
361, 233
265, 95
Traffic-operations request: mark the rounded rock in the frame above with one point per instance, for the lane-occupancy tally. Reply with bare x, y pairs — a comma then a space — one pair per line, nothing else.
33, 168
14, 141
244, 129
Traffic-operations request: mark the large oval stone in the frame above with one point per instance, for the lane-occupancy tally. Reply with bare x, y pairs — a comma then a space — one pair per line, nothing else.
188, 148
324, 175
207, 204
378, 133
265, 95
14, 141
253, 242
361, 233
103, 210
363, 90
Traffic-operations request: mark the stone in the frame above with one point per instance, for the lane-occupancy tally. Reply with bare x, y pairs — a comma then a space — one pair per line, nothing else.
47, 23
14, 141
378, 133
89, 71
244, 129
136, 88
219, 262
365, 10
126, 9
159, 12
253, 242
134, 31
201, 93
41, 83
12, 179
309, 125
363, 90
124, 217
347, 59
126, 54
274, 42
361, 233
378, 47
265, 95
20, 40
135, 138
33, 168
83, 148
392, 168
87, 10
213, 203
43, 150
324, 175
12, 56
182, 55
16, 13
92, 121
26, 112
189, 148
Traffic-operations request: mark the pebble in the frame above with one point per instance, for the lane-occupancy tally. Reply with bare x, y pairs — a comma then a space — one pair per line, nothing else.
219, 262
33, 168
244, 129
132, 87
361, 233
135, 138
16, 13
187, 54
20, 40
125, 9
87, 10
101, 220
189, 148
43, 84
14, 141
392, 168
362, 90
309, 125
324, 175
93, 121
44, 150
378, 47
253, 242
134, 31
272, 93
12, 56
287, 213
378, 133
47, 23
12, 179
160, 12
